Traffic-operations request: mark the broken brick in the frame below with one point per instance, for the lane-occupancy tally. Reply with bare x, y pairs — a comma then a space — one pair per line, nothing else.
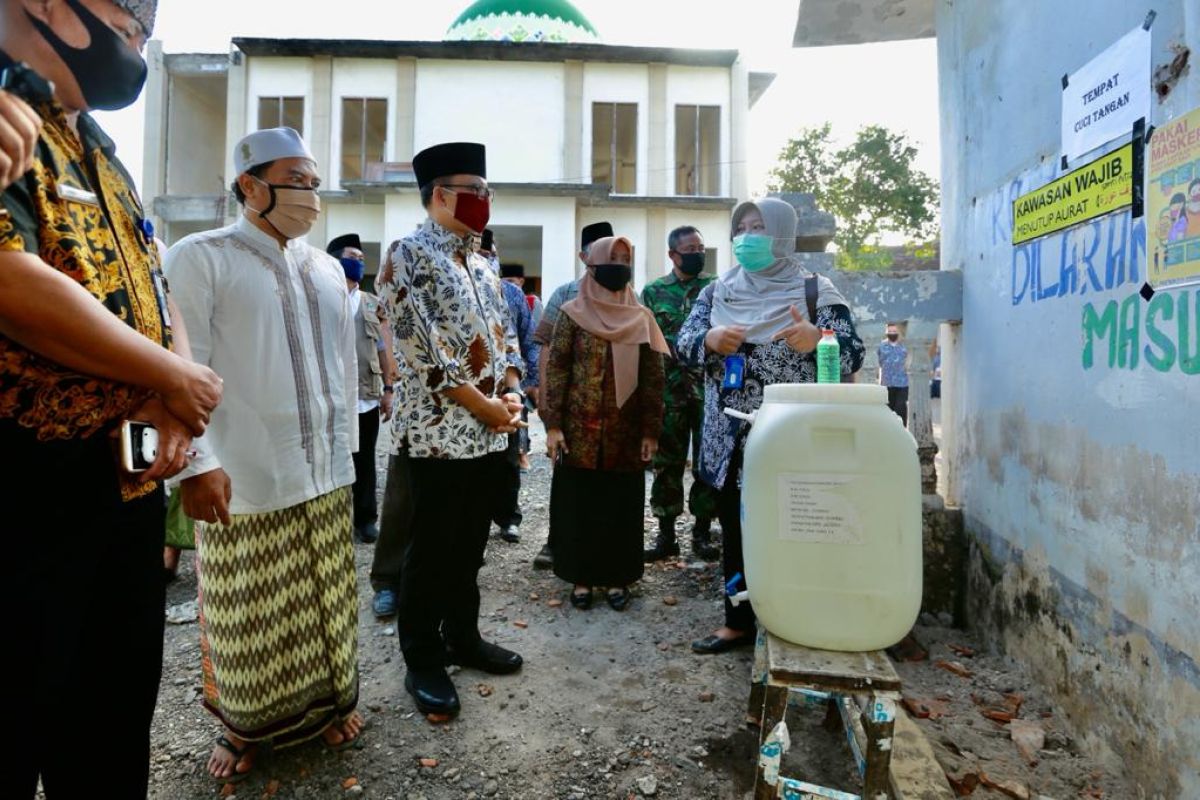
962, 650
520, 623
909, 650
428, 763
351, 781
925, 708
1029, 737
954, 668
998, 715
1015, 790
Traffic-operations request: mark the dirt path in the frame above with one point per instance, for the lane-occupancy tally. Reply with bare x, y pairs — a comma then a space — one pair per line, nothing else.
605, 699
609, 705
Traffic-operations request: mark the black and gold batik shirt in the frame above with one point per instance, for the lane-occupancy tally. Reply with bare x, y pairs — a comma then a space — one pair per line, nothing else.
77, 210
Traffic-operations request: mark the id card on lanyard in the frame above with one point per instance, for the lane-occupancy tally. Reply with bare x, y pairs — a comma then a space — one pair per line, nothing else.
735, 371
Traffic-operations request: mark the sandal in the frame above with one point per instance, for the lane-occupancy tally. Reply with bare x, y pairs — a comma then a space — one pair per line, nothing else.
346, 743
581, 600
618, 599
238, 754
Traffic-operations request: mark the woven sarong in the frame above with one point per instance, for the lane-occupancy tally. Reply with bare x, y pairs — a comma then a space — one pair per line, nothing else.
278, 620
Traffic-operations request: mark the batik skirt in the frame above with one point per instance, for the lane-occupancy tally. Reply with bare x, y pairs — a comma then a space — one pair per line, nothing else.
278, 620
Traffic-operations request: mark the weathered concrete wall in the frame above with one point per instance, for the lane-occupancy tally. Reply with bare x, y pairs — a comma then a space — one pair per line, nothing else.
1079, 450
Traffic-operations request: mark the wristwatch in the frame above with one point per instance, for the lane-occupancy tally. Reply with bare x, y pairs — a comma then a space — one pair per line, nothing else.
387, 388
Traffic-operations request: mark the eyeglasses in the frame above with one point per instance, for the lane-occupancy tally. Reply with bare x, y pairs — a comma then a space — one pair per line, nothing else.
479, 191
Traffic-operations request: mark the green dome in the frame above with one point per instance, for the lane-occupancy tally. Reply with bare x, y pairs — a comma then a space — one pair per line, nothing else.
522, 21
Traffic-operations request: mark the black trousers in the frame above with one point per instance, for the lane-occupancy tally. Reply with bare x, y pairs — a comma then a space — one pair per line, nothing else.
82, 589
364, 469
729, 511
898, 402
508, 499
395, 524
439, 592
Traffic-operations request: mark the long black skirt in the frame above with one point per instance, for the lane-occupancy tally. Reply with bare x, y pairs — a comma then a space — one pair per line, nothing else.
597, 525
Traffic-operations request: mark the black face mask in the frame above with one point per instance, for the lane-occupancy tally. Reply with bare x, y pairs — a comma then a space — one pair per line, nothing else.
893, 337
613, 277
691, 263
109, 72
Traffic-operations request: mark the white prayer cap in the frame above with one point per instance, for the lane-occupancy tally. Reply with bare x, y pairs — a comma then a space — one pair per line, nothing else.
268, 145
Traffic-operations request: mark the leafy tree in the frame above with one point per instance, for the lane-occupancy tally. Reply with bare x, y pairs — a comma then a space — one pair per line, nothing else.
870, 185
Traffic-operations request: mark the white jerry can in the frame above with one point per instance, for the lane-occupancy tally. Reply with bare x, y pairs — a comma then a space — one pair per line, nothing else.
831, 517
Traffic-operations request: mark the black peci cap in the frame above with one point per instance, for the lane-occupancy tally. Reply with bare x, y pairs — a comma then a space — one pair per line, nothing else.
487, 240
451, 158
336, 246
597, 230
512, 270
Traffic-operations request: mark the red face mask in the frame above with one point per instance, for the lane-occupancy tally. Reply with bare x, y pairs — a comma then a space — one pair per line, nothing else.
472, 210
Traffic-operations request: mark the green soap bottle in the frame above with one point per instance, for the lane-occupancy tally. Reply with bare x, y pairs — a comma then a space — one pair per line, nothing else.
829, 358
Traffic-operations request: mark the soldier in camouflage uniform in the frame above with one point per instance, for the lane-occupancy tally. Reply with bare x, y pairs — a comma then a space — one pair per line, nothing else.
670, 298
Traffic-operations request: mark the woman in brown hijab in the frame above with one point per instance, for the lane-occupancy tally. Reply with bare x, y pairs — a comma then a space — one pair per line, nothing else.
603, 410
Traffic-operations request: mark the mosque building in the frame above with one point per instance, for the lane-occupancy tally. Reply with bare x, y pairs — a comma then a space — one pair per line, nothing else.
577, 131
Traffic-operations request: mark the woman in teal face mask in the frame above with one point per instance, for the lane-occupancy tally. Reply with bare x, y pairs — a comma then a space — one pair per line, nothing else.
750, 329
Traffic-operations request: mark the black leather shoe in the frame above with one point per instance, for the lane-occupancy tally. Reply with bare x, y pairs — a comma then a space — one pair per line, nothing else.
432, 690
510, 533
711, 645
367, 534
544, 559
618, 599
582, 600
665, 545
488, 657
703, 547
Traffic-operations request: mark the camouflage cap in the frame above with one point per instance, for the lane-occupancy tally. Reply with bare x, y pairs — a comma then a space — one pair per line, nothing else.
142, 10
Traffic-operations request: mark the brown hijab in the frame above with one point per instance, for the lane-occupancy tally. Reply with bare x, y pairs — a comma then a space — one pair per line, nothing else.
617, 318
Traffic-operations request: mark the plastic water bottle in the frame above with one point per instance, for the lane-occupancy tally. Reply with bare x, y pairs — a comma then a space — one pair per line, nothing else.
829, 358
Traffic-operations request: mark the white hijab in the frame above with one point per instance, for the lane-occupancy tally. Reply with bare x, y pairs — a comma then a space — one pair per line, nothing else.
762, 301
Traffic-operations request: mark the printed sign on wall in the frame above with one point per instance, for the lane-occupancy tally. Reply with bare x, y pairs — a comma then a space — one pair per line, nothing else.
1103, 98
1091, 191
1173, 202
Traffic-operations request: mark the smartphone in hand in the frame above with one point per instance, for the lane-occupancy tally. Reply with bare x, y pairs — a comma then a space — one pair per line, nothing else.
139, 445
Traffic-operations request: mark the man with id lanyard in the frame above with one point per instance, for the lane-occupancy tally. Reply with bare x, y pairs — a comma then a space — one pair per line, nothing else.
85, 346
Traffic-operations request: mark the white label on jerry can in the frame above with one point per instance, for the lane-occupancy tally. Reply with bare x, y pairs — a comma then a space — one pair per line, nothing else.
813, 508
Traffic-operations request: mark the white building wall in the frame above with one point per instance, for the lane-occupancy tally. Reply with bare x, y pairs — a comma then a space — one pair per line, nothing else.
700, 86
195, 136
372, 78
713, 226
516, 109
618, 83
278, 77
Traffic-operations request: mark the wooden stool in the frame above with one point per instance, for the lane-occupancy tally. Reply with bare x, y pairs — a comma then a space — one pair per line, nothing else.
865, 689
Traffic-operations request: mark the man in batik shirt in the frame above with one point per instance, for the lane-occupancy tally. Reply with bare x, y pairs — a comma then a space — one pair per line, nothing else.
86, 344
452, 420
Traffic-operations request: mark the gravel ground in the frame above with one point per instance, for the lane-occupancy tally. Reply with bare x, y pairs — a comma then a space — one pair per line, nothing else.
608, 705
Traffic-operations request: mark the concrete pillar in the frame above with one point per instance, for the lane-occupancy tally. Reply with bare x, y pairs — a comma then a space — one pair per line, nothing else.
154, 141
920, 419
952, 414
573, 156
322, 139
236, 125
658, 163
739, 123
405, 114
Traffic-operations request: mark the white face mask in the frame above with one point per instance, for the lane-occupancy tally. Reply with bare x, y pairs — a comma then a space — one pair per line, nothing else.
292, 211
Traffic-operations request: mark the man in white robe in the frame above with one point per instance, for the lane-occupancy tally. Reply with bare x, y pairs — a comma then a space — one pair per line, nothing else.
272, 474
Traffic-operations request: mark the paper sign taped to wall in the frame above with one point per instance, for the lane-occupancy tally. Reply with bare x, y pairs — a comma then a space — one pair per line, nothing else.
1173, 202
1103, 98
